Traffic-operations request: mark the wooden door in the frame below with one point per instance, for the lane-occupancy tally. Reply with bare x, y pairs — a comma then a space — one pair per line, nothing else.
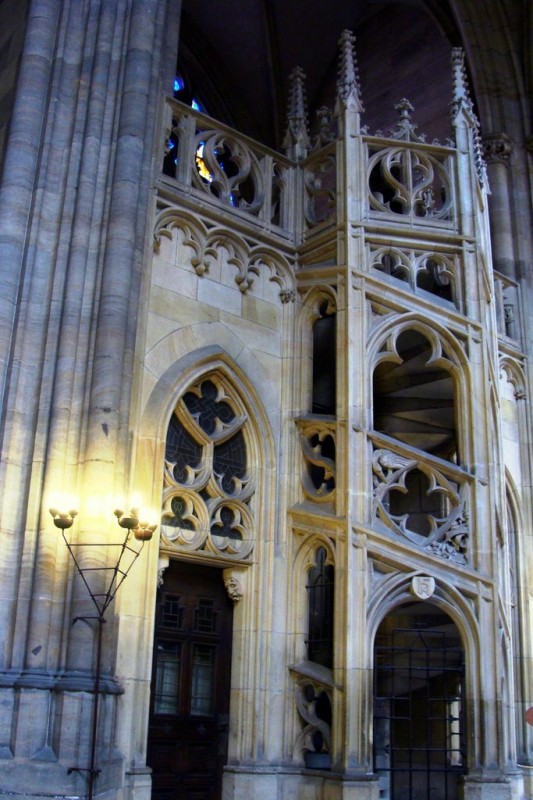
189, 710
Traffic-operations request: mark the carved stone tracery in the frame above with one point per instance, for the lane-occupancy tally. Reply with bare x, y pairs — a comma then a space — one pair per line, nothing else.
441, 528
317, 441
207, 484
409, 181
431, 271
320, 187
211, 244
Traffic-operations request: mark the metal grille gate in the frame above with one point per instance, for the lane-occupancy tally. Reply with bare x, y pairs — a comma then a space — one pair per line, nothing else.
418, 715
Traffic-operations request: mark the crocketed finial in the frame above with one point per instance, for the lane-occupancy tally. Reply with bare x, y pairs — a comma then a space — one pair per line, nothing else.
461, 94
463, 102
296, 142
348, 89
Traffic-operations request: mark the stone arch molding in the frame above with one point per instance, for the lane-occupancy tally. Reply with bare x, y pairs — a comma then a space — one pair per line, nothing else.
511, 371
303, 559
242, 508
206, 243
447, 350
395, 590
313, 299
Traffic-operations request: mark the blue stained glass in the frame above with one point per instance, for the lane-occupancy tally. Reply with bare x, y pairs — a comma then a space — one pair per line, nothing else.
179, 83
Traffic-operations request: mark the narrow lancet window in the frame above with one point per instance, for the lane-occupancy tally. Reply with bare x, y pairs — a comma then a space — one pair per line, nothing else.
320, 592
324, 361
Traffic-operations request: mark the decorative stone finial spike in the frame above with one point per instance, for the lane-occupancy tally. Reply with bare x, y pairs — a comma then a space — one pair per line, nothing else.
461, 94
405, 129
348, 89
462, 102
404, 108
296, 142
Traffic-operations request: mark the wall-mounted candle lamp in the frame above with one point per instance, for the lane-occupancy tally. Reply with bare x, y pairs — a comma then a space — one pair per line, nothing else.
110, 577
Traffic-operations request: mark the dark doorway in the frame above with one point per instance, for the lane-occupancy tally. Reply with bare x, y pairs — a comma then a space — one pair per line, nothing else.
419, 736
189, 709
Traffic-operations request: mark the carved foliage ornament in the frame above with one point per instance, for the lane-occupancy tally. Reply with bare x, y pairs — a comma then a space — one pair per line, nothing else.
207, 483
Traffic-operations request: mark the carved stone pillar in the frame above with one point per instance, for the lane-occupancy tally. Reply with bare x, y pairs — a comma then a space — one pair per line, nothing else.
73, 204
497, 148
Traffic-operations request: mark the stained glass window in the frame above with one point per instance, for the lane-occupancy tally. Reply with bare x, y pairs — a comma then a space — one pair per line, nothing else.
208, 489
206, 408
181, 449
183, 93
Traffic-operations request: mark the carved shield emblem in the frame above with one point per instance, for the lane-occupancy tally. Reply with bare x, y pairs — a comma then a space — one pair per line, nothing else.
422, 586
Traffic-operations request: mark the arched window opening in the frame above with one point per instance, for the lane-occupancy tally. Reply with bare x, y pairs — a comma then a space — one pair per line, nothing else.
419, 715
320, 597
509, 580
324, 361
207, 487
414, 400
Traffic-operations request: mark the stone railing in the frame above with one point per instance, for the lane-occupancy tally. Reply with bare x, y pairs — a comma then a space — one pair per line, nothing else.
420, 498
214, 163
411, 181
406, 181
318, 444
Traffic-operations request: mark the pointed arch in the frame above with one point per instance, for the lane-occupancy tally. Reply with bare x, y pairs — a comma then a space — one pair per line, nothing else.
304, 559
420, 700
173, 383
395, 589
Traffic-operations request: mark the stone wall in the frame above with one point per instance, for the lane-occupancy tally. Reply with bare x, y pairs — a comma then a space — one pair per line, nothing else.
12, 29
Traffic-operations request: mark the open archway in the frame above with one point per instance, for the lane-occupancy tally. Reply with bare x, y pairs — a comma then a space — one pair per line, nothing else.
419, 730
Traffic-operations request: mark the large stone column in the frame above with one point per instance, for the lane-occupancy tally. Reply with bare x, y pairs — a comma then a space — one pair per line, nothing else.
497, 149
74, 202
